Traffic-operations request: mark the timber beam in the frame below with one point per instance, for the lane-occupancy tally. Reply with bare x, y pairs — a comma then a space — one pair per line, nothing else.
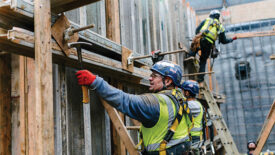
57, 6
20, 14
253, 34
21, 41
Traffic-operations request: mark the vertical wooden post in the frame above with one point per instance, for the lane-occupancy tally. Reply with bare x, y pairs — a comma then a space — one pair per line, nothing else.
113, 33
112, 20
5, 104
210, 75
44, 127
29, 95
17, 131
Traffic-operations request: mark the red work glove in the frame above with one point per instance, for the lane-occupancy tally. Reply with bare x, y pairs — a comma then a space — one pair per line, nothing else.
234, 38
85, 77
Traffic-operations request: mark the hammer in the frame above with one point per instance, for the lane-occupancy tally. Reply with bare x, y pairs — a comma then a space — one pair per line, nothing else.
77, 45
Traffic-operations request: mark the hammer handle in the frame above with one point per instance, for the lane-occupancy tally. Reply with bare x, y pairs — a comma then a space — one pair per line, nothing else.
86, 98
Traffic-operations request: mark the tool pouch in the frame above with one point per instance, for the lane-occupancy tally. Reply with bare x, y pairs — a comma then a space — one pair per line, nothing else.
195, 45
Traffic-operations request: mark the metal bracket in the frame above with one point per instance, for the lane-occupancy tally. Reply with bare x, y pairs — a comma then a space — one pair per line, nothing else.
130, 59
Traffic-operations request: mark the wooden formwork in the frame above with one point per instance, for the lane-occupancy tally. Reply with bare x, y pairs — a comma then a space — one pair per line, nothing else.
46, 112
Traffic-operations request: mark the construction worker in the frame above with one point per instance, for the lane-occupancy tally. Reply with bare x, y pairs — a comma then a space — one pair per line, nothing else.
156, 111
190, 90
209, 29
251, 146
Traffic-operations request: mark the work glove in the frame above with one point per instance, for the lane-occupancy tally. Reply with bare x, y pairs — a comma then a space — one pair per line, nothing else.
85, 77
234, 38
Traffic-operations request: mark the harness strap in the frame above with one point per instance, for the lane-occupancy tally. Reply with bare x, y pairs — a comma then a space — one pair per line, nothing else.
182, 108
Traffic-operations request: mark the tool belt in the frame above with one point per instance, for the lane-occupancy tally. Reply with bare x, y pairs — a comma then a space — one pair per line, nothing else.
195, 45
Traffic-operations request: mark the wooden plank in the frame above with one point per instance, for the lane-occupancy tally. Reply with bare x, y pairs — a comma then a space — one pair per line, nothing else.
266, 129
21, 42
272, 57
23, 105
30, 104
122, 149
147, 28
64, 108
152, 24
112, 18
16, 145
59, 6
58, 30
120, 128
75, 121
57, 111
43, 78
254, 34
5, 104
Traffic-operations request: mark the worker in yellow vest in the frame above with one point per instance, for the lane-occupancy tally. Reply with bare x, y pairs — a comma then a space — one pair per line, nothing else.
210, 29
163, 113
190, 90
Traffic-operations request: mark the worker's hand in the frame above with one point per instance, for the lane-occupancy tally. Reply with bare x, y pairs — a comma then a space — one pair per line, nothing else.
234, 38
85, 77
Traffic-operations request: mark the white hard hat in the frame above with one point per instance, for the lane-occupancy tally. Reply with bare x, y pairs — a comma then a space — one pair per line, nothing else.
215, 12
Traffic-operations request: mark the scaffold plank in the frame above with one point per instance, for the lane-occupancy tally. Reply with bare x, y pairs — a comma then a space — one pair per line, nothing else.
20, 14
21, 42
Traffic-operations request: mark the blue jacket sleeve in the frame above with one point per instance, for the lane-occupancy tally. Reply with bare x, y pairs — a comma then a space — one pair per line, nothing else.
135, 106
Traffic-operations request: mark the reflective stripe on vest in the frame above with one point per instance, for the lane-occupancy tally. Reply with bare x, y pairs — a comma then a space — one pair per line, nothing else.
197, 129
152, 137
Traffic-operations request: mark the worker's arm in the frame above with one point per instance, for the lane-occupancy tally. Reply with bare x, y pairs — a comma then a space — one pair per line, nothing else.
144, 108
198, 29
223, 39
194, 108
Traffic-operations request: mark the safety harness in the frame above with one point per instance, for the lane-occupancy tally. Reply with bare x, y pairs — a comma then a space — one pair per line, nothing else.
212, 23
182, 108
195, 45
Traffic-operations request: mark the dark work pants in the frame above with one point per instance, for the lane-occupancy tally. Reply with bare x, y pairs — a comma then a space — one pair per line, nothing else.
206, 48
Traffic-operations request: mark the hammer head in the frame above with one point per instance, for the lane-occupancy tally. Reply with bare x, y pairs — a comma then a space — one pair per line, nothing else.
77, 45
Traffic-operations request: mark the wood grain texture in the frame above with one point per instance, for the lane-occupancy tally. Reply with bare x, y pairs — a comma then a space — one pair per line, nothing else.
58, 29
43, 78
5, 104
267, 128
120, 128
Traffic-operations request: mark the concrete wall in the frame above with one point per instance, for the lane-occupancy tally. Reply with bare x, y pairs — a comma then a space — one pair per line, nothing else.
249, 12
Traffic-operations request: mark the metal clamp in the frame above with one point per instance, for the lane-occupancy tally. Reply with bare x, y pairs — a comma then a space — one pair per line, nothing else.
130, 59
70, 31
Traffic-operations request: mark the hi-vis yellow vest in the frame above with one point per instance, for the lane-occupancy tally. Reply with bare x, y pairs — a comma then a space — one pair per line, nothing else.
197, 129
211, 29
152, 137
